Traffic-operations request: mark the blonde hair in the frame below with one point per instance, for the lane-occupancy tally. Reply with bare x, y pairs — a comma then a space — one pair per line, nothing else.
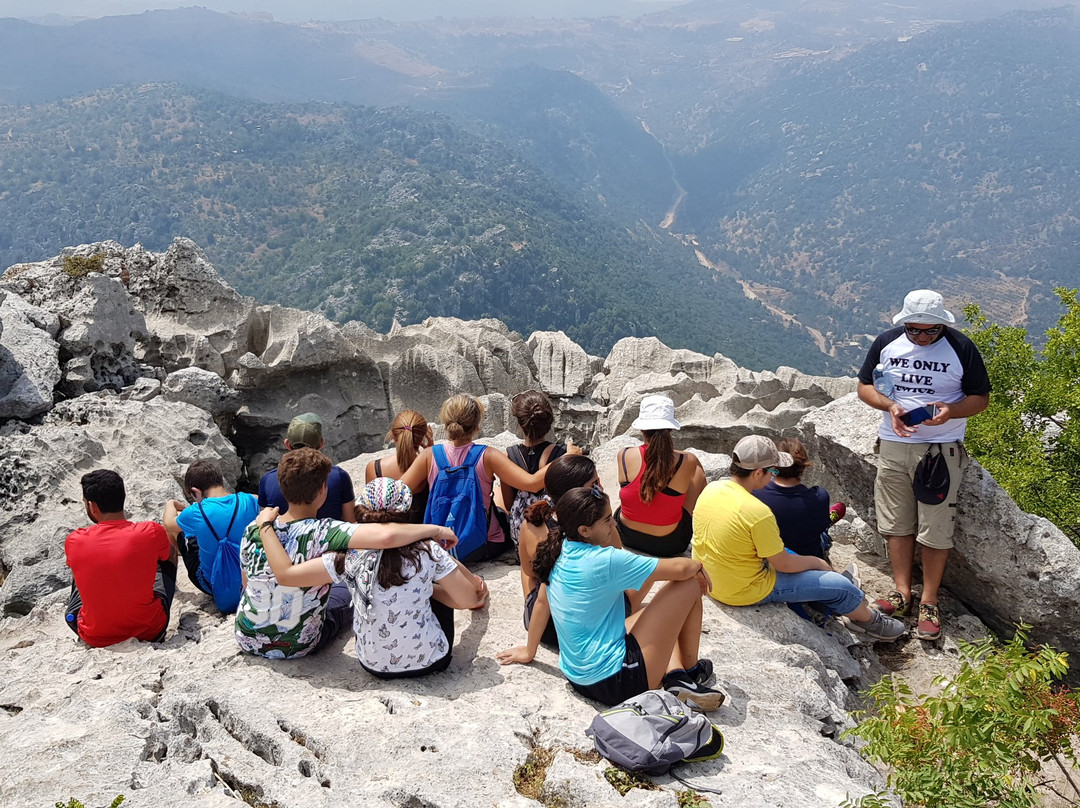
409, 433
461, 415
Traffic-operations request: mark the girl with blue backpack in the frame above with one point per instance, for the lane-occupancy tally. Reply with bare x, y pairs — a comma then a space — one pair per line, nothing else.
606, 655
460, 475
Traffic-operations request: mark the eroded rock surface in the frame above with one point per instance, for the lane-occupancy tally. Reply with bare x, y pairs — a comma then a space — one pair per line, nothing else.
149, 443
192, 721
186, 368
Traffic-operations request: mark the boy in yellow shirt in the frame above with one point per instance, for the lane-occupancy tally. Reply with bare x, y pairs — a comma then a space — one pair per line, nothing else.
737, 540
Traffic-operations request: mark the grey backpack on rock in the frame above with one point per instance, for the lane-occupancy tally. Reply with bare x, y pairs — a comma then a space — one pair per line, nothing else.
652, 732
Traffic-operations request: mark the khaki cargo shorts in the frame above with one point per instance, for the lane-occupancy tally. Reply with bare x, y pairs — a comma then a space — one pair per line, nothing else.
898, 512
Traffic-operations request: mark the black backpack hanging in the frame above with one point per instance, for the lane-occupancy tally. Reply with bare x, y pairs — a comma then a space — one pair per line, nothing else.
931, 481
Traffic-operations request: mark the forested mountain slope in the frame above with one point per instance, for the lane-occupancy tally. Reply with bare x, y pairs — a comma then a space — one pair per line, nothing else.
945, 161
365, 214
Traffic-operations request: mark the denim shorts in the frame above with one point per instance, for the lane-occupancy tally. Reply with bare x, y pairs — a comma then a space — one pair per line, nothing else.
831, 589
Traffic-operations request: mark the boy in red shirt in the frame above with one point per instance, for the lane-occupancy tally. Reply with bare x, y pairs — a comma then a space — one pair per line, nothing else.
125, 572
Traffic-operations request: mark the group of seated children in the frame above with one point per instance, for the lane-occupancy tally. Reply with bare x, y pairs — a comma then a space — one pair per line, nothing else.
317, 552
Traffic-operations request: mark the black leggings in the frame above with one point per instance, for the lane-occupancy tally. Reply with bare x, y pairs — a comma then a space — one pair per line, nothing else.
669, 546
445, 615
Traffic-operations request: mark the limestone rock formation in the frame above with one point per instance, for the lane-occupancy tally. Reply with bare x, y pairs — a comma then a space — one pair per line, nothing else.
200, 388
40, 498
29, 358
193, 722
156, 362
562, 366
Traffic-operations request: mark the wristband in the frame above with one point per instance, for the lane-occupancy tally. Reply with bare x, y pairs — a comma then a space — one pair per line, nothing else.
266, 524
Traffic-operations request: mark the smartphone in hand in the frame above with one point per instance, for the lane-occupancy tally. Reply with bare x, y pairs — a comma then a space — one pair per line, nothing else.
919, 414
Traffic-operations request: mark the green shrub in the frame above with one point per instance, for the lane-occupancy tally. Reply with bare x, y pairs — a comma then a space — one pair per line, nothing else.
984, 740
74, 803
79, 266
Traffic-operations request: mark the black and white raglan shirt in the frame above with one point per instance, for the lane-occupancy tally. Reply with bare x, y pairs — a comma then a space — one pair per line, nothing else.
947, 370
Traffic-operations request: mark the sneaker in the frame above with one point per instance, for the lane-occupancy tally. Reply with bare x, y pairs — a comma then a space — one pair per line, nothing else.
837, 512
852, 574
896, 605
879, 626
700, 671
712, 749
686, 690
929, 627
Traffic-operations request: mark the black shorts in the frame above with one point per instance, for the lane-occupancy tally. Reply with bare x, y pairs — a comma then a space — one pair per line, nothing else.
669, 546
629, 681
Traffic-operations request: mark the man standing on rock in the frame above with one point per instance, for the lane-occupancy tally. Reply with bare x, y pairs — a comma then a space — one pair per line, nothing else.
125, 572
306, 432
737, 541
929, 369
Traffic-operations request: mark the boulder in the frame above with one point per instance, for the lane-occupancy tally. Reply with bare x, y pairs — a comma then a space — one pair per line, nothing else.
194, 318
40, 467
562, 366
501, 361
99, 322
201, 388
827, 388
423, 378
631, 357
29, 358
144, 389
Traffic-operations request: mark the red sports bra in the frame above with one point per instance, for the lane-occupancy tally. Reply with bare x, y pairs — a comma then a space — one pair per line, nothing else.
666, 507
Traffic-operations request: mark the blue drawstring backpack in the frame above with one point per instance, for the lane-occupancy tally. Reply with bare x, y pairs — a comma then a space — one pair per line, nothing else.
457, 502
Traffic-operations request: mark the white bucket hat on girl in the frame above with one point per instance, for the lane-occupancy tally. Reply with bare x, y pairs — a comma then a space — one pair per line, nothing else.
924, 306
657, 412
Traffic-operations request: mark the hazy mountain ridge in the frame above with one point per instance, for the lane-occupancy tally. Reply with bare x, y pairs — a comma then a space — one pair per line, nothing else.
941, 161
365, 214
796, 130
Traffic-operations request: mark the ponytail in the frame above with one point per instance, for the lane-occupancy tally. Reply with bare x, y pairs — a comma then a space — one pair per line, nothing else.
409, 434
547, 553
659, 463
538, 513
576, 508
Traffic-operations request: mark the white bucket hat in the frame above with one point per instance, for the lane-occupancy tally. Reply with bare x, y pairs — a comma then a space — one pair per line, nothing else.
657, 412
924, 306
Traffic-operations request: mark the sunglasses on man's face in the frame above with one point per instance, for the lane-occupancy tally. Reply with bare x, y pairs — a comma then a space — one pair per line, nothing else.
932, 331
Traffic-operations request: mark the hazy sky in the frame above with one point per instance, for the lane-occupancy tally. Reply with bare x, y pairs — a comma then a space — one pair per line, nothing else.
344, 9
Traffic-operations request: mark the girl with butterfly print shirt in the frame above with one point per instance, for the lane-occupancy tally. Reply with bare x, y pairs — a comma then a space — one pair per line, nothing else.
403, 598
